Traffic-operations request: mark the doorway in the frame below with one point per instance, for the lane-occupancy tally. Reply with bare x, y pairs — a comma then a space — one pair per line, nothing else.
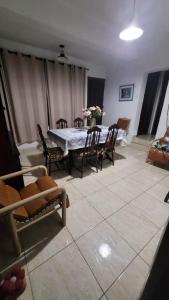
152, 104
95, 93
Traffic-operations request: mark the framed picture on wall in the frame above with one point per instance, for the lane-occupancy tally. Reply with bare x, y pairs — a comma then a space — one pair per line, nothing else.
126, 92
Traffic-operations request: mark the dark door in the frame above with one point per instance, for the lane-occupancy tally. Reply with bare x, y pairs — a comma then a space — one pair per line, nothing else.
161, 102
95, 93
148, 102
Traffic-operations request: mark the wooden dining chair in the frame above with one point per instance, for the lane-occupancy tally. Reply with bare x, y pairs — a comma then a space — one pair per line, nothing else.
61, 123
108, 148
78, 122
90, 152
52, 155
124, 123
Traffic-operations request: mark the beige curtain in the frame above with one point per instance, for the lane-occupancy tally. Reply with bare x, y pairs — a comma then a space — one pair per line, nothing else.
27, 102
66, 92
59, 84
78, 91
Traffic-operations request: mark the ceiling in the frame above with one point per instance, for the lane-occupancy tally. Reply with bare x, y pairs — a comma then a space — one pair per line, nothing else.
88, 28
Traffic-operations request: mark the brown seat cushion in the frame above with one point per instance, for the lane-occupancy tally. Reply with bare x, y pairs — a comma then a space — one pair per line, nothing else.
2, 182
36, 205
8, 195
47, 182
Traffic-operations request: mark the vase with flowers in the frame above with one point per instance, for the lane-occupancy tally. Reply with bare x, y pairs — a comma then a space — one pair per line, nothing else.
92, 113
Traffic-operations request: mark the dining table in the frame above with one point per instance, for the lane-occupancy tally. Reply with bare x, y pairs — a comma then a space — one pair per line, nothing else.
74, 138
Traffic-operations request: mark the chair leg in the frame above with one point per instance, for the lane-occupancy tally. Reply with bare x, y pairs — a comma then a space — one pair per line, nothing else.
100, 160
14, 234
113, 158
49, 167
82, 167
46, 161
64, 208
97, 164
166, 197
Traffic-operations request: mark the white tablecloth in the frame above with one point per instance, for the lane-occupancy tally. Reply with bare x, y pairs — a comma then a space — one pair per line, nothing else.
74, 138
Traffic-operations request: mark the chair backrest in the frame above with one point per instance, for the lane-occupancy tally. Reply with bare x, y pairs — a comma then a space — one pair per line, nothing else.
78, 122
92, 141
61, 123
123, 123
45, 149
111, 137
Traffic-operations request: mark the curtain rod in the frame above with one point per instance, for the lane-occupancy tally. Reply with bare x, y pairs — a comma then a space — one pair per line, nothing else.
42, 58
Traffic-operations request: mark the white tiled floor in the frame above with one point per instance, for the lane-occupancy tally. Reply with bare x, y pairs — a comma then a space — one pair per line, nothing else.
114, 224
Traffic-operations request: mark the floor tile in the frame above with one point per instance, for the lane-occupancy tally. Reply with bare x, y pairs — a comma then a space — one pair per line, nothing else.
158, 191
65, 276
73, 193
8, 258
87, 185
106, 253
150, 249
135, 186
126, 191
153, 175
141, 179
44, 239
105, 202
103, 298
27, 294
154, 210
157, 169
165, 181
130, 284
81, 217
106, 178
133, 226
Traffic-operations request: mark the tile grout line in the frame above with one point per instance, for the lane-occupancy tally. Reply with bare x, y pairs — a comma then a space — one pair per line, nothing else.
50, 257
137, 255
87, 264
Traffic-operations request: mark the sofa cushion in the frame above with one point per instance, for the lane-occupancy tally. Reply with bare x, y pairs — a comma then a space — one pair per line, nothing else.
8, 195
37, 205
47, 182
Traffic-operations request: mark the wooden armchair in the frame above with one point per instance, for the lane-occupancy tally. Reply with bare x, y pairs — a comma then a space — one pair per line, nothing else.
33, 203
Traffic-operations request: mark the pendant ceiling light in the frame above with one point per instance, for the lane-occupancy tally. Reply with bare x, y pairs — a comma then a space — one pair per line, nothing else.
132, 32
62, 56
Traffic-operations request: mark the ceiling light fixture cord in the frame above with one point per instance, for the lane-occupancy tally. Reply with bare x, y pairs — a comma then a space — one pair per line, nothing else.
134, 8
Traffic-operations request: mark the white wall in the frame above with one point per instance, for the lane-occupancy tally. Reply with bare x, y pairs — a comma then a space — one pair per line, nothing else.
137, 74
130, 109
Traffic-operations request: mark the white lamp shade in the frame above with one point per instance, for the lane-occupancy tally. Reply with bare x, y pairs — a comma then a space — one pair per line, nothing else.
131, 33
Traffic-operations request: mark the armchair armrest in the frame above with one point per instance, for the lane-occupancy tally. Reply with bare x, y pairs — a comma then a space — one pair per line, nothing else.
11, 207
18, 173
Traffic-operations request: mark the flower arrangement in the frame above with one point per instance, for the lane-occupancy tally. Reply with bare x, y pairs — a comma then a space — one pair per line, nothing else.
92, 112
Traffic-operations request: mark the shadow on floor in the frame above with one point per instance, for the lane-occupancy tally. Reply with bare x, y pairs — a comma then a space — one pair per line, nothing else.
33, 239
